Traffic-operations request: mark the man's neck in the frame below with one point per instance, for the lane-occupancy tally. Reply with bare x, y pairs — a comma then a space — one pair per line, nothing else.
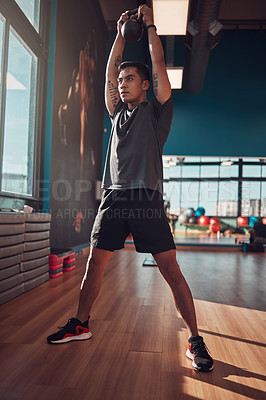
135, 104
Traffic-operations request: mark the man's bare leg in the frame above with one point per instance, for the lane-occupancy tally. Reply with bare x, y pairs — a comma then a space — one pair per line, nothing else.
78, 328
170, 270
92, 281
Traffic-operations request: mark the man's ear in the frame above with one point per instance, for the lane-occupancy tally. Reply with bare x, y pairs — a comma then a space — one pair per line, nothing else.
146, 85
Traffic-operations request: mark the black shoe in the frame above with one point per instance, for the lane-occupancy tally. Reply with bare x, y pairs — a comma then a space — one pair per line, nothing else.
198, 352
73, 330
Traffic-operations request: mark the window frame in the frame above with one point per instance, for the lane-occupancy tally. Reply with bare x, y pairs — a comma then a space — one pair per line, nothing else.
38, 44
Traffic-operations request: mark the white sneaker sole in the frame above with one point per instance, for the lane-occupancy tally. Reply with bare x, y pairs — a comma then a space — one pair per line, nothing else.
190, 356
83, 336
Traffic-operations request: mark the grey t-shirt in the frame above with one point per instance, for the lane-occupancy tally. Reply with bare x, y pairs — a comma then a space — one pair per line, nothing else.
134, 155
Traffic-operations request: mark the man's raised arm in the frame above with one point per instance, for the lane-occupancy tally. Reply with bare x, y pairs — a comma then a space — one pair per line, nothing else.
114, 60
161, 84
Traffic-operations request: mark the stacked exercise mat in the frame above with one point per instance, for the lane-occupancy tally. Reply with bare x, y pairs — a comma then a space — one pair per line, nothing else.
24, 252
35, 258
12, 227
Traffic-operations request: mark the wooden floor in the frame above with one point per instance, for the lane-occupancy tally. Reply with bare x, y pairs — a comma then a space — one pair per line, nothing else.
137, 351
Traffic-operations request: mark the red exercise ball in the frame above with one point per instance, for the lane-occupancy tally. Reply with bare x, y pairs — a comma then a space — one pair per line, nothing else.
264, 221
204, 220
215, 227
214, 220
242, 221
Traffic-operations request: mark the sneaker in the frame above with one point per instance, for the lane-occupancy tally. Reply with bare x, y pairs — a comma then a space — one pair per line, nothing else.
198, 352
73, 330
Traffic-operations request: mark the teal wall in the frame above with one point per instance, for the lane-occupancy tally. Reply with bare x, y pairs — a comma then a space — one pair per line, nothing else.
228, 116
49, 108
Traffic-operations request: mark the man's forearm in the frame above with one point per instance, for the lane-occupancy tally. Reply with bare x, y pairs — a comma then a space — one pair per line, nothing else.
112, 72
115, 57
155, 46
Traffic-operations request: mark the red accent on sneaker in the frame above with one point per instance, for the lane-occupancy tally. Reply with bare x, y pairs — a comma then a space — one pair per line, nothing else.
189, 348
79, 331
68, 335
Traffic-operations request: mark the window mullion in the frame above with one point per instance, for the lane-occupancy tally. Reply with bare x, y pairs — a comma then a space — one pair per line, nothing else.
3, 93
32, 131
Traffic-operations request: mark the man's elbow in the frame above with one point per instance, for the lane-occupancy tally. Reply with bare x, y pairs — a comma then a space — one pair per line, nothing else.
158, 61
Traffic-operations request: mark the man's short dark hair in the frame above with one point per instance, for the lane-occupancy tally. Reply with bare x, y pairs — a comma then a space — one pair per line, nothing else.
142, 69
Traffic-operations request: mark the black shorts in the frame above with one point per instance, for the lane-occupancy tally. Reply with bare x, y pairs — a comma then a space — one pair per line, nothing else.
137, 211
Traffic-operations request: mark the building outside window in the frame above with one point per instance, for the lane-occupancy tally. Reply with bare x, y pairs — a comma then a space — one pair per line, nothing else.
227, 199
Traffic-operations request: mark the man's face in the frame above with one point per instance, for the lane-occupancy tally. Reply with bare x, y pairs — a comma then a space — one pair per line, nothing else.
130, 86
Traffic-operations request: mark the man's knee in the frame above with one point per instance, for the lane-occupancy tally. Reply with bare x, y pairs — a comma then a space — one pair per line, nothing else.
168, 265
170, 270
98, 260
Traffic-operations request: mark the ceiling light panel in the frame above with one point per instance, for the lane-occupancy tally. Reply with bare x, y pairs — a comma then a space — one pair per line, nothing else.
175, 75
170, 16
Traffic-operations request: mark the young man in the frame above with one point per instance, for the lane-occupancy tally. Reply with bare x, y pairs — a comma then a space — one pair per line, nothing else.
133, 176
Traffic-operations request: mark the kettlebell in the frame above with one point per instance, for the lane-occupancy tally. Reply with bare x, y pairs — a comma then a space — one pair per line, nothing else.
132, 29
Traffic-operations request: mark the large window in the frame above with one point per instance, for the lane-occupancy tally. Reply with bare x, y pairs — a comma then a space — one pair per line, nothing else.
251, 197
237, 188
18, 143
189, 194
173, 196
208, 197
227, 199
191, 171
251, 171
23, 47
